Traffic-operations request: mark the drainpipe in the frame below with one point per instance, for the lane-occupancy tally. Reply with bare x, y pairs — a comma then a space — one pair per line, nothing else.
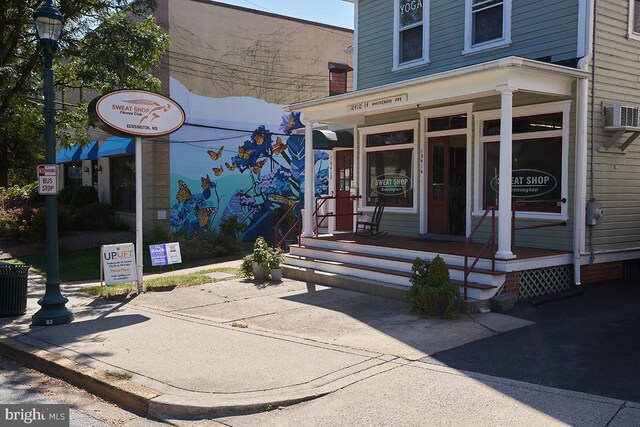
309, 175
579, 222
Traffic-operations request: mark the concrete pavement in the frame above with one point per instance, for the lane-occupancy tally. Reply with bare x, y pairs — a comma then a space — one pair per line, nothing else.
239, 347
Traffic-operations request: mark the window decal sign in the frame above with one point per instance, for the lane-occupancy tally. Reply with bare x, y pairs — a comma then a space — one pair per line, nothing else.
136, 113
528, 183
391, 184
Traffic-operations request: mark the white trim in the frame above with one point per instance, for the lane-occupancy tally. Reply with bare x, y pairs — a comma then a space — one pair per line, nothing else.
425, 135
611, 255
505, 40
397, 65
362, 151
563, 107
631, 34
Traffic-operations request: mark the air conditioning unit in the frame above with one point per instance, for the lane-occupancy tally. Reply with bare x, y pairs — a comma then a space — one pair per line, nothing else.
619, 116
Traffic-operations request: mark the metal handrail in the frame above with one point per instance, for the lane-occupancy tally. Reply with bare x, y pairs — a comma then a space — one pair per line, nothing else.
320, 201
514, 209
492, 240
296, 225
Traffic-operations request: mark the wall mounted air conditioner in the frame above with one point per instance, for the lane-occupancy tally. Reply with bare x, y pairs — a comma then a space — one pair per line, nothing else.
618, 117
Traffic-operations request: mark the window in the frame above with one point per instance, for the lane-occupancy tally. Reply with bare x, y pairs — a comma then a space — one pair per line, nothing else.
73, 174
411, 32
123, 183
487, 24
634, 19
539, 159
390, 165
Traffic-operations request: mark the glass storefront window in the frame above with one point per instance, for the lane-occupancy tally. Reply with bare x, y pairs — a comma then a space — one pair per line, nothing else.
123, 183
389, 178
73, 174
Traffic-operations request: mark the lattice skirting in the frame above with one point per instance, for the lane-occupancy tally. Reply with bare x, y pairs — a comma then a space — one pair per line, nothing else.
544, 281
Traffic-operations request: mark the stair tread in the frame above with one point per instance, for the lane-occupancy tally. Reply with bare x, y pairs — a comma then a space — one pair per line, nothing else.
382, 270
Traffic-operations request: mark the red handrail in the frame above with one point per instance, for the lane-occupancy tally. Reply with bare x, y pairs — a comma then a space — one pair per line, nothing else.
320, 201
296, 225
514, 209
492, 240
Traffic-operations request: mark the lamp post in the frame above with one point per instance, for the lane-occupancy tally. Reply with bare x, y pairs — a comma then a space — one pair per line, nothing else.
49, 22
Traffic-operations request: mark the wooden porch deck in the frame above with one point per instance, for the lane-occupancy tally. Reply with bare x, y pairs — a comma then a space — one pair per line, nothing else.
435, 246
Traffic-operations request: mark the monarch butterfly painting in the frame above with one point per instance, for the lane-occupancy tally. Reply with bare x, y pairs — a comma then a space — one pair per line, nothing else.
215, 155
258, 166
279, 147
218, 171
231, 167
243, 154
184, 193
206, 182
259, 139
204, 216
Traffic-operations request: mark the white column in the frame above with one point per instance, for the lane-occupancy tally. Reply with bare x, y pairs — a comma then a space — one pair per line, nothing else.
309, 176
139, 252
505, 173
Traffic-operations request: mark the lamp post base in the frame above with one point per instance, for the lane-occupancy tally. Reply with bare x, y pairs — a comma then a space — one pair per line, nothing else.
50, 316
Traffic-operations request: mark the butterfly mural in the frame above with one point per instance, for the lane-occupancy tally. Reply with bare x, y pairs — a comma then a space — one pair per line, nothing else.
204, 216
279, 147
206, 186
243, 154
231, 167
184, 193
215, 155
258, 166
218, 170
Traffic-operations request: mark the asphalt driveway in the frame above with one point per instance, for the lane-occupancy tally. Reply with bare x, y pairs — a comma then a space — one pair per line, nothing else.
588, 343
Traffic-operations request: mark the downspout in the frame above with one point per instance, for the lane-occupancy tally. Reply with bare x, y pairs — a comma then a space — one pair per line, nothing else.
579, 222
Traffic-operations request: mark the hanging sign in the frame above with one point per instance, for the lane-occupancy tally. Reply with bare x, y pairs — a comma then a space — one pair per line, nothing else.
136, 113
119, 263
391, 184
529, 183
165, 254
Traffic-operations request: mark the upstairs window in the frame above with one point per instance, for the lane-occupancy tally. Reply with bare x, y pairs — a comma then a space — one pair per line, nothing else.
487, 24
634, 19
411, 32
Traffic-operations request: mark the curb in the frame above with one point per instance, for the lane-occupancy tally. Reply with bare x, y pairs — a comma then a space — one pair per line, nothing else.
130, 396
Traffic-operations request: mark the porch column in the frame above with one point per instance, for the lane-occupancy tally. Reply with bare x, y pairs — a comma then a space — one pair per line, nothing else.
309, 176
505, 173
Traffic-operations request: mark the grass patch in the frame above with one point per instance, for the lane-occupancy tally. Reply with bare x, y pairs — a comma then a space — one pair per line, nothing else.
84, 264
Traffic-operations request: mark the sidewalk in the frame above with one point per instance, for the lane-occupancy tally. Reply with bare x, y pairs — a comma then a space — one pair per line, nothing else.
235, 346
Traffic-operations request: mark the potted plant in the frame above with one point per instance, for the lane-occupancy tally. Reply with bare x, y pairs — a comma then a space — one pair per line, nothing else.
260, 259
431, 289
276, 258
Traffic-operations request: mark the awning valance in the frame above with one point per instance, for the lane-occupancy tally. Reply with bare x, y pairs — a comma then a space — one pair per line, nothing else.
116, 145
90, 151
68, 154
328, 140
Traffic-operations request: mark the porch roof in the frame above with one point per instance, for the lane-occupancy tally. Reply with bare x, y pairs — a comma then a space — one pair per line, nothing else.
484, 79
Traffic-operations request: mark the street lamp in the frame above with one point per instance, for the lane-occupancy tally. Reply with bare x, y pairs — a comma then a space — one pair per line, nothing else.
49, 22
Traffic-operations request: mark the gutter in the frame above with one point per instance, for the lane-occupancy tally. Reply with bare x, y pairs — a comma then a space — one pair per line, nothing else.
579, 211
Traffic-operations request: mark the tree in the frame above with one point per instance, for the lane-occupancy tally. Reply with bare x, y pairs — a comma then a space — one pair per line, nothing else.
105, 45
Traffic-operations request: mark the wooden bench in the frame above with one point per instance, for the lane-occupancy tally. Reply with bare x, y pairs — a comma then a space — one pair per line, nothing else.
371, 227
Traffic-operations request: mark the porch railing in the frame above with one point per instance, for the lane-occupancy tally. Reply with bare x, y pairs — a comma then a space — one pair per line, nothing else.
514, 209
491, 242
296, 211
320, 201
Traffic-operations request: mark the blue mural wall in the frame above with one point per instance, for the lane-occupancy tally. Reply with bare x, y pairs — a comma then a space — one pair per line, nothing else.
237, 156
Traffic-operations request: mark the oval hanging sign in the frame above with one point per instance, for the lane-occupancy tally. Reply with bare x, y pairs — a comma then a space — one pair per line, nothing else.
529, 183
391, 184
131, 112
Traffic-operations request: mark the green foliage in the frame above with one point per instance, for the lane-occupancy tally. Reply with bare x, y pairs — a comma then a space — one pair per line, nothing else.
158, 233
66, 194
246, 269
84, 195
23, 223
206, 244
95, 216
231, 227
431, 289
261, 251
276, 258
264, 255
19, 196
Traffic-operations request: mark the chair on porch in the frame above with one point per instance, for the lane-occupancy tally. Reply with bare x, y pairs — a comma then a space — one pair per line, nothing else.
370, 227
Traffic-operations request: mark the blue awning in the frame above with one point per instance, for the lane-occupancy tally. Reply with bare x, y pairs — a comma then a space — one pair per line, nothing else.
115, 145
68, 154
90, 151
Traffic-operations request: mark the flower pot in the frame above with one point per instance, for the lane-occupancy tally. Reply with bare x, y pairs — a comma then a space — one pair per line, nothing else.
276, 275
260, 272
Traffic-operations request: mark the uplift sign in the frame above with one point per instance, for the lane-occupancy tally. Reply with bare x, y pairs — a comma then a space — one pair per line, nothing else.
391, 184
119, 263
529, 183
136, 113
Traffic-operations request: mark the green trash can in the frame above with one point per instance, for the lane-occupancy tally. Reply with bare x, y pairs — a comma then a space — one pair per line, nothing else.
13, 289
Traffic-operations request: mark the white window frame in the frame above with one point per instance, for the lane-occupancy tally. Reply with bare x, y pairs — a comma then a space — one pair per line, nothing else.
563, 107
492, 44
362, 160
396, 37
630, 31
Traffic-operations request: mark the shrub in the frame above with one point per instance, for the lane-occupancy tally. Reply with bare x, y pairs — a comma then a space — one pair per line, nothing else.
157, 234
431, 289
231, 227
66, 194
206, 244
83, 196
17, 196
23, 223
95, 216
10, 221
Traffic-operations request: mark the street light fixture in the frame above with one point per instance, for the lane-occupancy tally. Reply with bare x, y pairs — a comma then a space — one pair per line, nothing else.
53, 311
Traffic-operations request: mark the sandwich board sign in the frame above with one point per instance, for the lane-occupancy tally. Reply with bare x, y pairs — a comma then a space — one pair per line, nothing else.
118, 264
165, 254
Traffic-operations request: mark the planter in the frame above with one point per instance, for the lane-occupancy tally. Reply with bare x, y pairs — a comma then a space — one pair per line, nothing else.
276, 275
260, 272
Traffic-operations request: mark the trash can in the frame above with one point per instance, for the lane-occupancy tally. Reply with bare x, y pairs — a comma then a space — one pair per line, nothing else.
13, 289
